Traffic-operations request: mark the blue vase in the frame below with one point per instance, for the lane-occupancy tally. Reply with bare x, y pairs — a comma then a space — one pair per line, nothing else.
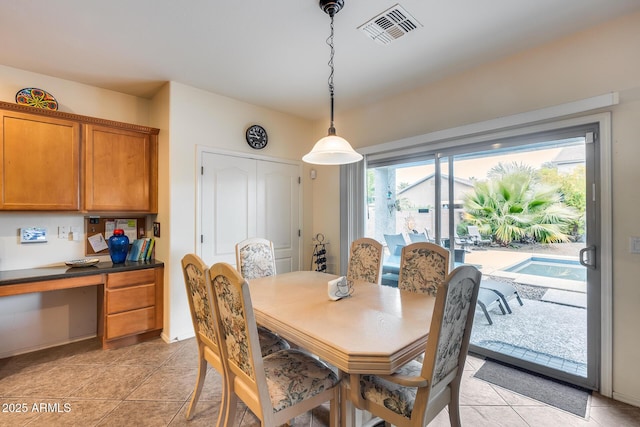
118, 246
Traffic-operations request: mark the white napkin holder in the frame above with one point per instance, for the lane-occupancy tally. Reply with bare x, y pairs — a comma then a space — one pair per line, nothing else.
333, 288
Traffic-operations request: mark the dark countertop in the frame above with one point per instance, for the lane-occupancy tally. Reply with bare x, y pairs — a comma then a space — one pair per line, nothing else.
11, 277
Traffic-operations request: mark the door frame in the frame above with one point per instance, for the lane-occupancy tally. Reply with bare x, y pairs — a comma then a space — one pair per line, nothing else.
201, 150
518, 125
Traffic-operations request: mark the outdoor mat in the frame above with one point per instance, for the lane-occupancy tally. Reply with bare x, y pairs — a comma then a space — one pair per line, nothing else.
561, 395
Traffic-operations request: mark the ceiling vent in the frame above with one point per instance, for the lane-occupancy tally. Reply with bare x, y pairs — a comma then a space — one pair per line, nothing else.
390, 25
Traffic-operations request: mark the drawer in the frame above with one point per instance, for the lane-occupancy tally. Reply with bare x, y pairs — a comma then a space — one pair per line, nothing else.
130, 322
130, 298
131, 278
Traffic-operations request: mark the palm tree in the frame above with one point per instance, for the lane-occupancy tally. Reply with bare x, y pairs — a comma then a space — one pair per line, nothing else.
513, 205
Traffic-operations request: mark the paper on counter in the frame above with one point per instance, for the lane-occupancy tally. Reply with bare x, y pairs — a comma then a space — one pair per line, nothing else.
97, 242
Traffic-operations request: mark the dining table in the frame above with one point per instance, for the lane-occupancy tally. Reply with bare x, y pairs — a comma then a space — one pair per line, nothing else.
375, 330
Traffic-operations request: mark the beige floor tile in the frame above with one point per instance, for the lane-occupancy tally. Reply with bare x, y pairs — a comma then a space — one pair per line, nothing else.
475, 392
151, 384
116, 382
490, 416
57, 382
142, 414
166, 383
546, 416
75, 412
626, 415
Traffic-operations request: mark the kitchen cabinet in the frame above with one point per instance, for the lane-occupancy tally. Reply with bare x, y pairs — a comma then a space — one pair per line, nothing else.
120, 170
133, 303
39, 162
130, 295
56, 161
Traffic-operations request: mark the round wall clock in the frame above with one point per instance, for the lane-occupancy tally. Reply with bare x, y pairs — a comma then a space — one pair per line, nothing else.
257, 137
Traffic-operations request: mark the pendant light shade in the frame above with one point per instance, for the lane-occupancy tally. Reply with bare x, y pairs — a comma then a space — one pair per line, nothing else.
332, 149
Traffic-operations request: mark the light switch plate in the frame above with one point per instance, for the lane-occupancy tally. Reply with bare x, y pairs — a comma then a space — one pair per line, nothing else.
634, 245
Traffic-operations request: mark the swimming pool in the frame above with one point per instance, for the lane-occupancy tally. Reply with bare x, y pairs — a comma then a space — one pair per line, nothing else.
551, 267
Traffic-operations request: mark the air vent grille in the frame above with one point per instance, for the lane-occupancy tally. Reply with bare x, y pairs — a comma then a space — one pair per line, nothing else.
390, 25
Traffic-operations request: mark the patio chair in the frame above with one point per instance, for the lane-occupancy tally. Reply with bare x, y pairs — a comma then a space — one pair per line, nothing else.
417, 392
195, 279
504, 290
423, 267
276, 388
395, 243
476, 237
255, 258
365, 261
418, 237
487, 301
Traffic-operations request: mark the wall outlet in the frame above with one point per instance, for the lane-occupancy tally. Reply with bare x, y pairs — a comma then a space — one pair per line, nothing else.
63, 232
75, 233
634, 245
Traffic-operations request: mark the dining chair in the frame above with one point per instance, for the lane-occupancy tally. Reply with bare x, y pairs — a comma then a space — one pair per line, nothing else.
278, 387
365, 261
255, 258
423, 267
417, 392
195, 279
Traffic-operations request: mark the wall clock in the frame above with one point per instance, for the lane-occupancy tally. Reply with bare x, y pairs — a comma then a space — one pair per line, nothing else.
257, 137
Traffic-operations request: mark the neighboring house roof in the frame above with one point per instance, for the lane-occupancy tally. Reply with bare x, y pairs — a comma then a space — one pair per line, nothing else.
430, 177
570, 156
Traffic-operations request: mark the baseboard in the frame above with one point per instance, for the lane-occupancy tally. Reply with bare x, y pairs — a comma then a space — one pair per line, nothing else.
631, 400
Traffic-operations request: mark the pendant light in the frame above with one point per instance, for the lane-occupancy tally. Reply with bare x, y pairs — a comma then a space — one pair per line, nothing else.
332, 149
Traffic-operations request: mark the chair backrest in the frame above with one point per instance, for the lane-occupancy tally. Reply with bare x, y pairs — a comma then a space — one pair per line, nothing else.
423, 267
240, 345
473, 231
394, 243
255, 258
449, 332
418, 237
365, 261
195, 279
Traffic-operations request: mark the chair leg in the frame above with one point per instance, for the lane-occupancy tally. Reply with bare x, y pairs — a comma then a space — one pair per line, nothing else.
454, 405
501, 308
202, 373
231, 403
486, 313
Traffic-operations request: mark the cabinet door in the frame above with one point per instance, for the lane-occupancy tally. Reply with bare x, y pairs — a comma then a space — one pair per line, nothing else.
120, 171
39, 163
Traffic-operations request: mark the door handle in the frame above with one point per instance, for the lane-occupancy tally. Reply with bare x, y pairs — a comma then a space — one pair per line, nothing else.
587, 257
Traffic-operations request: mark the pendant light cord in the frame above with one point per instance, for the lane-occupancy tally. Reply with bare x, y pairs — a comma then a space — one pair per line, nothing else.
332, 129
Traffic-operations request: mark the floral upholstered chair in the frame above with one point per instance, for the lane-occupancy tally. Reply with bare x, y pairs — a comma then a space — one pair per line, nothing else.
365, 261
423, 267
200, 304
277, 387
417, 392
255, 258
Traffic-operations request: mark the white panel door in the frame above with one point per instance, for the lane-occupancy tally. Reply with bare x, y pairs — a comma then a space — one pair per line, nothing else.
278, 211
243, 198
228, 200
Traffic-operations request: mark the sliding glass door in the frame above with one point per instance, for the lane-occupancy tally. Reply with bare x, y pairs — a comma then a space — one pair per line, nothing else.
522, 210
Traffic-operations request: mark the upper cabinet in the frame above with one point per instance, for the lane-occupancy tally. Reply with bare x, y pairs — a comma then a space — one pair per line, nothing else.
53, 161
120, 170
39, 163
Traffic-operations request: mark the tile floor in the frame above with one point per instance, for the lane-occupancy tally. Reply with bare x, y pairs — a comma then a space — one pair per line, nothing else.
150, 384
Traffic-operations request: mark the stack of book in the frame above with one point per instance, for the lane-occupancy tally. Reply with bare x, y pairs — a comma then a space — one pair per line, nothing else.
141, 249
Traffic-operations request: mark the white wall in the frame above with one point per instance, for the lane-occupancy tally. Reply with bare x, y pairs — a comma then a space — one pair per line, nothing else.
597, 61
198, 118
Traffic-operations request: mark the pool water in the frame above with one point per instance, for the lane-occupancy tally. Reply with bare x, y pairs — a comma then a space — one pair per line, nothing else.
549, 267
